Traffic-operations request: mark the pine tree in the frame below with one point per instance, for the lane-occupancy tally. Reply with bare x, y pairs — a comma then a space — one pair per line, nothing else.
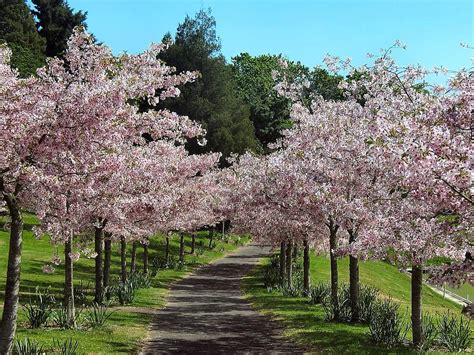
56, 20
18, 31
212, 100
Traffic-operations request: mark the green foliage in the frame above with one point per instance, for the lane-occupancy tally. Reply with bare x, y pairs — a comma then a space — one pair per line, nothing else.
139, 280
27, 347
18, 30
271, 273
454, 332
97, 315
56, 20
341, 310
386, 325
67, 347
429, 332
212, 99
367, 298
39, 308
319, 293
268, 111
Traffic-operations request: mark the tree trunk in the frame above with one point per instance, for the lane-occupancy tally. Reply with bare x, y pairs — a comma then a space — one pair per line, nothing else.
12, 287
123, 259
167, 251
306, 267
211, 236
181, 248
289, 264
133, 261
354, 284
193, 243
295, 251
416, 286
282, 262
99, 274
334, 277
223, 230
145, 258
69, 284
107, 258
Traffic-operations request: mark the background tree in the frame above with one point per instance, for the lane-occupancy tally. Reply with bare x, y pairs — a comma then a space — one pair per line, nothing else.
269, 111
55, 22
212, 100
18, 30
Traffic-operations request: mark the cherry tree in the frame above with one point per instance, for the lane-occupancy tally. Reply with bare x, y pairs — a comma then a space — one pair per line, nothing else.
65, 132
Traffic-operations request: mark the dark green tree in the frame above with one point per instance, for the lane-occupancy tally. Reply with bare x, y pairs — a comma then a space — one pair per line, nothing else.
18, 31
55, 22
212, 99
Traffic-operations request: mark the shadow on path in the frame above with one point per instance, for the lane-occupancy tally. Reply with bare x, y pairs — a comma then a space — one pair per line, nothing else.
206, 313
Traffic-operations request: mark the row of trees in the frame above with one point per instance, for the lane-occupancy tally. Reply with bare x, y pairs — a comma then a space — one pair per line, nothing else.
384, 173
80, 152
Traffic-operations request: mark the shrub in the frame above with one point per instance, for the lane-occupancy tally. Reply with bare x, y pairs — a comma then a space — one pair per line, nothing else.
429, 332
60, 318
367, 298
139, 280
271, 274
97, 315
125, 292
39, 308
319, 293
81, 291
454, 332
290, 291
27, 347
68, 347
155, 266
342, 308
386, 325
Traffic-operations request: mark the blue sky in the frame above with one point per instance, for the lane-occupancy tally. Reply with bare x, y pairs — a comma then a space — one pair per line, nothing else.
303, 30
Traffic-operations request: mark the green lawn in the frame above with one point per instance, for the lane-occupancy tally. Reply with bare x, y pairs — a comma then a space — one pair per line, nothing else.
305, 323
126, 328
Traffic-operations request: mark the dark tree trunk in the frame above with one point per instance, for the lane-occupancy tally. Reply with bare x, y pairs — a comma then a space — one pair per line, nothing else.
416, 286
282, 262
99, 273
306, 265
289, 264
354, 284
69, 285
12, 287
133, 261
193, 243
107, 258
145, 258
123, 259
167, 251
211, 236
181, 248
334, 277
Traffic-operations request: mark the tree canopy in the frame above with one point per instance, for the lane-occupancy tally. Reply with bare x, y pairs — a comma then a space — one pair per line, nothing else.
56, 21
18, 30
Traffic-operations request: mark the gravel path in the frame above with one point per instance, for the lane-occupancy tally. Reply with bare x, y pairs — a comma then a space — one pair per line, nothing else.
206, 313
